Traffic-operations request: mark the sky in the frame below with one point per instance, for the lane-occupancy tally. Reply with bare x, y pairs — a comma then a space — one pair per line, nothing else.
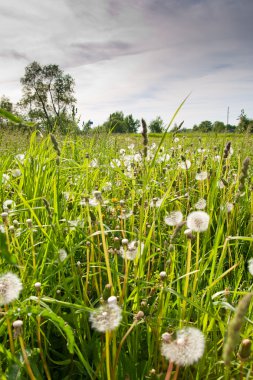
142, 57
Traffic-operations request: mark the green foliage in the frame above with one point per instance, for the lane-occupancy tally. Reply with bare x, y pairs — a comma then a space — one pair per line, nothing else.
118, 123
245, 124
156, 125
48, 96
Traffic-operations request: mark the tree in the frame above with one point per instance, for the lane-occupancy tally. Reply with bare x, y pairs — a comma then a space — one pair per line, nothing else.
204, 126
48, 95
118, 123
6, 105
219, 126
156, 125
245, 124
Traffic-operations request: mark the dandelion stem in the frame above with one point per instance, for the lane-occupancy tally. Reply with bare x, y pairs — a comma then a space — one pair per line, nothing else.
169, 371
197, 264
188, 267
107, 262
9, 331
28, 367
121, 343
107, 349
176, 373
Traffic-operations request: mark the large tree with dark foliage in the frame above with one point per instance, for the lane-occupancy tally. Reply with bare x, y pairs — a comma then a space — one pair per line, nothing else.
48, 96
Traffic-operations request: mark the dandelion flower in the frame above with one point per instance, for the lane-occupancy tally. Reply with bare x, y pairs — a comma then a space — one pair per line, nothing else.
131, 250
62, 255
106, 317
186, 349
201, 204
185, 164
250, 266
10, 287
198, 221
174, 218
229, 207
201, 176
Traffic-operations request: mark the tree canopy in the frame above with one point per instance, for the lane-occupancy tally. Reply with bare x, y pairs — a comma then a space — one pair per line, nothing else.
48, 96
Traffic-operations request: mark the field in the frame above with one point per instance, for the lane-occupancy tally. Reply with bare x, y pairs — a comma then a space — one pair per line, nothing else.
126, 261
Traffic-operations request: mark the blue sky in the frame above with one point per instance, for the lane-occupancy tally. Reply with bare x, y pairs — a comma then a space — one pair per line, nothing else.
139, 56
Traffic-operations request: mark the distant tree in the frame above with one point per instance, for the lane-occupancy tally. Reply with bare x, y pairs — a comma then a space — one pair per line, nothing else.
6, 105
219, 127
156, 125
118, 123
230, 128
132, 124
48, 96
86, 127
204, 126
245, 124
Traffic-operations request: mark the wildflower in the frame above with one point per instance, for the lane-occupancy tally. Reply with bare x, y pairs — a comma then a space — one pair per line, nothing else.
20, 157
17, 325
115, 163
185, 164
16, 173
198, 221
201, 204
62, 254
156, 202
94, 163
250, 266
107, 317
131, 250
201, 176
186, 349
5, 178
8, 205
174, 218
10, 287
229, 207
125, 215
221, 184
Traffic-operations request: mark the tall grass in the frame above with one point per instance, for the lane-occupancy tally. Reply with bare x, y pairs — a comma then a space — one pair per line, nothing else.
205, 275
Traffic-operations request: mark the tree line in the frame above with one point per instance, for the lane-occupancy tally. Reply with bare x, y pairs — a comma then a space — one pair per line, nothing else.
48, 101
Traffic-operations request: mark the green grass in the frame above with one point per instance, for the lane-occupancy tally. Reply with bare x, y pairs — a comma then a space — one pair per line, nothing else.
50, 190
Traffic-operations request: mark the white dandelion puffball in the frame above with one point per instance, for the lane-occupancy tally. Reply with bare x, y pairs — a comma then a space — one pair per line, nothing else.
10, 287
62, 254
106, 317
198, 221
250, 266
131, 250
201, 204
186, 349
174, 218
185, 164
201, 176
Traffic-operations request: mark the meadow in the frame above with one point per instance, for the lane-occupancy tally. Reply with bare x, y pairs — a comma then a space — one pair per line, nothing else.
126, 260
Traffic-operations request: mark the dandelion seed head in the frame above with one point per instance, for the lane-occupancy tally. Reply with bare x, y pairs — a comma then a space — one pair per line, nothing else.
131, 250
174, 218
10, 287
250, 266
62, 254
186, 349
229, 207
201, 204
185, 164
201, 176
106, 317
198, 221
